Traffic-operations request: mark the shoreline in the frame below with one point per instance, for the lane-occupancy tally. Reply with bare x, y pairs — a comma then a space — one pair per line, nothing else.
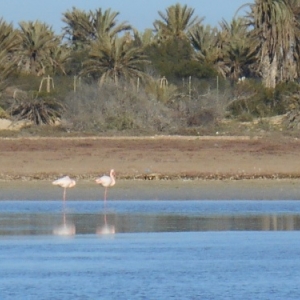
155, 177
88, 190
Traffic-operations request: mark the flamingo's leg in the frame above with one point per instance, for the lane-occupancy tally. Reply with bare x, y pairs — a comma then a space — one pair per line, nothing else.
105, 193
64, 205
64, 197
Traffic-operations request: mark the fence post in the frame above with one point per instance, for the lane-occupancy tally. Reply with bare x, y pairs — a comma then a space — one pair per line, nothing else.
190, 87
138, 84
163, 82
217, 89
48, 86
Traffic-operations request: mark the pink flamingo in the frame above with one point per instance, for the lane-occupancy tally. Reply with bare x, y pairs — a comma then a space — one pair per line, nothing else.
65, 182
66, 229
107, 181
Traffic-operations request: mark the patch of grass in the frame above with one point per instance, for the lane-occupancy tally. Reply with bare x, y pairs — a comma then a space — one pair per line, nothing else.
9, 133
4, 114
245, 117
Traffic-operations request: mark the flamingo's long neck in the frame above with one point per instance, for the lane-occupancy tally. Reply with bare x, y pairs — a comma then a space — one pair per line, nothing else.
113, 180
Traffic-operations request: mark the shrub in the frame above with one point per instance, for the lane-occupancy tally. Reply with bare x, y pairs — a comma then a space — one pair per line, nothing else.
112, 108
254, 99
37, 110
3, 114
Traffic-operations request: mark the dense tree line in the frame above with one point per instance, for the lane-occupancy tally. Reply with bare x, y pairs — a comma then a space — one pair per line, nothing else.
262, 47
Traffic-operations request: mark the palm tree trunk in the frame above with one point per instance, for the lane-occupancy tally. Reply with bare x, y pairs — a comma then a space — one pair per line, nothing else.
269, 71
27, 67
273, 72
116, 79
33, 66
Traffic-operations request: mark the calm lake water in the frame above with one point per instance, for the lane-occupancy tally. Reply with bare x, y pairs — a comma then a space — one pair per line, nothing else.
157, 250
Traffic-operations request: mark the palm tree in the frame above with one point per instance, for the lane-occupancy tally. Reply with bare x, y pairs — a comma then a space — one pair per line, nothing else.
176, 22
208, 47
143, 39
9, 39
37, 42
9, 46
115, 58
84, 27
58, 58
291, 67
106, 24
78, 28
274, 34
37, 110
238, 53
87, 29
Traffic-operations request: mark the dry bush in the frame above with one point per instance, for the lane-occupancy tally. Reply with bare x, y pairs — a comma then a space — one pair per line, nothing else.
204, 110
124, 110
111, 108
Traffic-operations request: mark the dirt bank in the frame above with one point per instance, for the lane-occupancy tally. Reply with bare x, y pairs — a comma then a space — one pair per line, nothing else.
150, 157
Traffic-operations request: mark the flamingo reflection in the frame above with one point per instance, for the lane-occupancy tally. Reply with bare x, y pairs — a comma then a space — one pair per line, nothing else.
106, 228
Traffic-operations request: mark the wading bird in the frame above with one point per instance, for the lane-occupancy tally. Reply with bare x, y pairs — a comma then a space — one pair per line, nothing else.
64, 182
107, 181
65, 229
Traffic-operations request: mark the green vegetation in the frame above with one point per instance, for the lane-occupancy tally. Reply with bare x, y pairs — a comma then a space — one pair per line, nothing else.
101, 76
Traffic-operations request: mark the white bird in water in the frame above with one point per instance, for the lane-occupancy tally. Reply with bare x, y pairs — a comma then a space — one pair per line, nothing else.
66, 229
107, 181
64, 182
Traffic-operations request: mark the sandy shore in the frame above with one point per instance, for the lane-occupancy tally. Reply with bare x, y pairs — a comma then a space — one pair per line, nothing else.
189, 167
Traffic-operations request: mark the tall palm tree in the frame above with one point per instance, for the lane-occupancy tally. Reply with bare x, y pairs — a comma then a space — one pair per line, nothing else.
291, 67
176, 22
274, 33
37, 42
105, 23
78, 27
115, 58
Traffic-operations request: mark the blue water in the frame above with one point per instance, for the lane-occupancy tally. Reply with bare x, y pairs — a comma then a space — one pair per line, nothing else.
161, 250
